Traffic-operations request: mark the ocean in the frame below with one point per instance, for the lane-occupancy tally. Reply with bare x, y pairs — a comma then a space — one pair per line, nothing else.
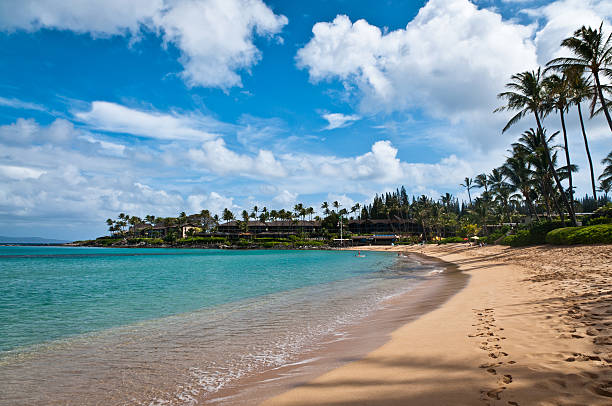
179, 326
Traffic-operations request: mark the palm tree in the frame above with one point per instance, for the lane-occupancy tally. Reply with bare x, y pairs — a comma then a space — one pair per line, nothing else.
592, 53
519, 173
325, 207
227, 215
468, 184
580, 90
605, 179
336, 205
559, 92
482, 181
111, 225
527, 95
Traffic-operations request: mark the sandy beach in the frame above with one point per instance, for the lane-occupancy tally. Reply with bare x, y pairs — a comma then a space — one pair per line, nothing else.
532, 327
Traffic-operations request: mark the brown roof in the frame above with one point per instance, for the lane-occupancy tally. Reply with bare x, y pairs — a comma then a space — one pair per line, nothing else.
299, 223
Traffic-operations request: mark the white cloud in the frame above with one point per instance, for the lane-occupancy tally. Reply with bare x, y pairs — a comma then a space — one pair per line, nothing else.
339, 120
213, 201
20, 104
150, 124
20, 172
451, 59
286, 198
216, 157
27, 132
562, 18
215, 37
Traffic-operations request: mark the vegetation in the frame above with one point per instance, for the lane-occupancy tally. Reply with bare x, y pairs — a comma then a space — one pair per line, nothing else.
597, 234
532, 183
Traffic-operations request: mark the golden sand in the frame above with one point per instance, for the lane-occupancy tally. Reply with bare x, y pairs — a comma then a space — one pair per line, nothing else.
533, 327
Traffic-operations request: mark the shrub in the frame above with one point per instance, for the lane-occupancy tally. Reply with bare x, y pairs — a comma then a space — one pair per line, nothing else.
534, 233
602, 215
202, 240
493, 237
448, 240
598, 220
596, 234
108, 241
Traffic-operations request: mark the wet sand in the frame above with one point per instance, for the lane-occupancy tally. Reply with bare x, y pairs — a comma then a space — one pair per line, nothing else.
532, 327
356, 341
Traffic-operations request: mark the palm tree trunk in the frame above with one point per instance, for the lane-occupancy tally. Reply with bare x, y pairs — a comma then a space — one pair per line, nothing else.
532, 210
586, 146
602, 100
569, 165
552, 168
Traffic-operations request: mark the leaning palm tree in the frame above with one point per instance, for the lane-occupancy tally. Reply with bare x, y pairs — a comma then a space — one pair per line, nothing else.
581, 89
469, 185
558, 90
527, 95
605, 179
593, 53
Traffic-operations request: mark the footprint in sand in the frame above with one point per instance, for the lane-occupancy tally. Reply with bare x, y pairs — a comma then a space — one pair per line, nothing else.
604, 389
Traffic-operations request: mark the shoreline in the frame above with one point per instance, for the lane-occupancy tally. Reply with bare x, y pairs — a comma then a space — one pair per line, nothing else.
532, 326
357, 340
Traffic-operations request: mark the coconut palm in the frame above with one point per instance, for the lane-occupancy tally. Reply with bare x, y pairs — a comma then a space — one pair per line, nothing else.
592, 53
605, 179
558, 90
527, 96
336, 205
519, 174
227, 215
325, 207
468, 184
581, 89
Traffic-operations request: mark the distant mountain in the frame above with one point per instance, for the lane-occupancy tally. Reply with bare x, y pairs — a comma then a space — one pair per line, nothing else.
29, 240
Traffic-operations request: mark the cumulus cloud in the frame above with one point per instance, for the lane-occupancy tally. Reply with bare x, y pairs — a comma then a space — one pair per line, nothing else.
213, 201
561, 18
339, 120
451, 59
286, 198
218, 158
215, 37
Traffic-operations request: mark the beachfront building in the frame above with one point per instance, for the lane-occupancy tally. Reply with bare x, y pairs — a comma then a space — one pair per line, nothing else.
271, 228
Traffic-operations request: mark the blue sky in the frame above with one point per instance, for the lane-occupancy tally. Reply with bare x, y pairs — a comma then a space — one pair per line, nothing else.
178, 105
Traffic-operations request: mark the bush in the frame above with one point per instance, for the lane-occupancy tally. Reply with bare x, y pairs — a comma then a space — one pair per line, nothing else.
108, 241
598, 220
534, 233
493, 237
202, 240
448, 240
602, 215
520, 239
597, 234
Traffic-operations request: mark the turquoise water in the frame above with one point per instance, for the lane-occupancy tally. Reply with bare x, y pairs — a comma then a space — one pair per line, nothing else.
47, 293
113, 326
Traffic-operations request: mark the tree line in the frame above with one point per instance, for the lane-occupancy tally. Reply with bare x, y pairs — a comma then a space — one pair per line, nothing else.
529, 182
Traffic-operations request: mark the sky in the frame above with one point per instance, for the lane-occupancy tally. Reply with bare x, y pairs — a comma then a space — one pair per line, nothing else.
163, 106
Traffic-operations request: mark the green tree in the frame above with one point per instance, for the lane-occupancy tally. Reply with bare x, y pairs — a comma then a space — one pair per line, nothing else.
592, 53
527, 96
227, 215
468, 184
605, 179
